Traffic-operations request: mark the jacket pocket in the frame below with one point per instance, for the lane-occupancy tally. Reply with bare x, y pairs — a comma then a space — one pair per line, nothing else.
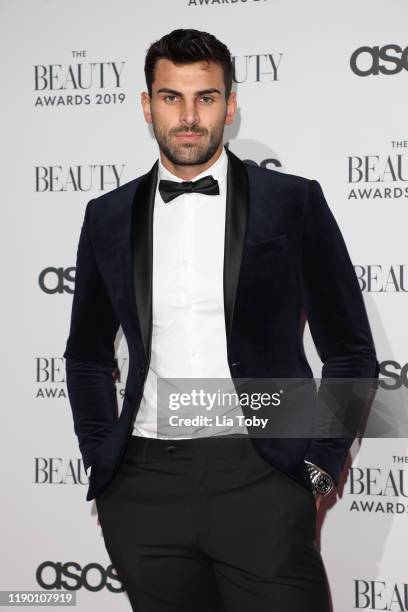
277, 243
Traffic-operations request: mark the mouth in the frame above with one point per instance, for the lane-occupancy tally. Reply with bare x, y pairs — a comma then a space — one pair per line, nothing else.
189, 136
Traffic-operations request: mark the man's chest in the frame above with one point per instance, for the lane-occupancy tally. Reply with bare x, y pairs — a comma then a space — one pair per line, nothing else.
188, 250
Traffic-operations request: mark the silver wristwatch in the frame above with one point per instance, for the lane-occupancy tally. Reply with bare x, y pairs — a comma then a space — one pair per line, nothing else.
322, 482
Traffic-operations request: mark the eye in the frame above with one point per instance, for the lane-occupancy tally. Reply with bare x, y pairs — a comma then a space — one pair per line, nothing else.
170, 98
207, 99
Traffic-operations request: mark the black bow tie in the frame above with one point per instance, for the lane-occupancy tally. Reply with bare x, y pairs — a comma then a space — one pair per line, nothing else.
171, 189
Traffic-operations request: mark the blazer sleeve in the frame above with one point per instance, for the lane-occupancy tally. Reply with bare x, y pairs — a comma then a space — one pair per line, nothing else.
90, 351
336, 315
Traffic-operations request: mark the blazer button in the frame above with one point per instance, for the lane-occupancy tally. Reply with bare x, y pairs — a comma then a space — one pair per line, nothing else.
141, 370
236, 363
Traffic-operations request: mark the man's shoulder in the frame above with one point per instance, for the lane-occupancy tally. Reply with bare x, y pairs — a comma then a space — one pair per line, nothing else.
122, 193
110, 206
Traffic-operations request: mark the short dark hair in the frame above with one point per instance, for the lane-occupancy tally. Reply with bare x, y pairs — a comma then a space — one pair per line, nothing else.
184, 46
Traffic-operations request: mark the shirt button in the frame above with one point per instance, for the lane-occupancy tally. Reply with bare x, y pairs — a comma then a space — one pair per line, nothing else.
171, 448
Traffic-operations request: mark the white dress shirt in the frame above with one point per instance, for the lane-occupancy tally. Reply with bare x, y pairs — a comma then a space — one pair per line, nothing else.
189, 337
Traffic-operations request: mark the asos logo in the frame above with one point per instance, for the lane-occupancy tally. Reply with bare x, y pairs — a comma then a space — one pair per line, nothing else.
57, 280
389, 59
395, 373
72, 577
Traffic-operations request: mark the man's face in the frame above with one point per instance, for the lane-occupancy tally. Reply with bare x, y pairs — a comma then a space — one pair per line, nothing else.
188, 110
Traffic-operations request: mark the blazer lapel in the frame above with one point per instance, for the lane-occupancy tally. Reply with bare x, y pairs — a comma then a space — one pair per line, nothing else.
142, 252
236, 216
237, 207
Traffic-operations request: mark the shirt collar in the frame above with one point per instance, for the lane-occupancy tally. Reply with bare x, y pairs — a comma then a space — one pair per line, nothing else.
218, 170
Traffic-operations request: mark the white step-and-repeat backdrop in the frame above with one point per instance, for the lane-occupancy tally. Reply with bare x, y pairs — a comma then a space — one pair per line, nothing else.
322, 90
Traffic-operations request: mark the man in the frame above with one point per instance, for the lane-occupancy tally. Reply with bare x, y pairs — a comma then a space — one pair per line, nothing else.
208, 264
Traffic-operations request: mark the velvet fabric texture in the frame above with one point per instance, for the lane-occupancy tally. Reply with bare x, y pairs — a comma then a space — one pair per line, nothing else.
285, 259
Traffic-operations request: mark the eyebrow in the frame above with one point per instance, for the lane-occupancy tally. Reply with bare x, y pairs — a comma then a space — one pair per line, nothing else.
202, 92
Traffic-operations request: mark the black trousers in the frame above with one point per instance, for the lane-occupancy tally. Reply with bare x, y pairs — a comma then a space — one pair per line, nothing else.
208, 525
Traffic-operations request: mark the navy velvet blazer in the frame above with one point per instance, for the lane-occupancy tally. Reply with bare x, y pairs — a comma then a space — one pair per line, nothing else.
285, 259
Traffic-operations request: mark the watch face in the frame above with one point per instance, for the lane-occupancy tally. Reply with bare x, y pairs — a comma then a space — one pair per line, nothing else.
323, 484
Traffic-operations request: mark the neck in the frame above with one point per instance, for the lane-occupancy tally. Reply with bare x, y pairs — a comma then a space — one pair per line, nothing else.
187, 173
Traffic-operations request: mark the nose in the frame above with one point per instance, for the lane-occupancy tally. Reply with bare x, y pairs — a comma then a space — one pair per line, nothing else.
189, 115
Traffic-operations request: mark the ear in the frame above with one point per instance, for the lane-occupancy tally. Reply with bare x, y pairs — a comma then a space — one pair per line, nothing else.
145, 100
231, 108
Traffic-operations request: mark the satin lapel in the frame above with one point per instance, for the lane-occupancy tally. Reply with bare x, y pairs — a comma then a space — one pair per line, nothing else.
142, 252
237, 207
